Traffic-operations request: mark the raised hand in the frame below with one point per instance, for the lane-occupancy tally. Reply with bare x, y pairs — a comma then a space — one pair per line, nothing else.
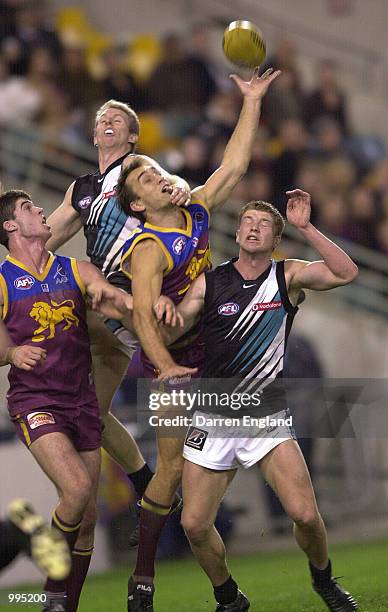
298, 208
257, 87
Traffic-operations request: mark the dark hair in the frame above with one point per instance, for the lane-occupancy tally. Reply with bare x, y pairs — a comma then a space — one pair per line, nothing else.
8, 201
278, 218
124, 194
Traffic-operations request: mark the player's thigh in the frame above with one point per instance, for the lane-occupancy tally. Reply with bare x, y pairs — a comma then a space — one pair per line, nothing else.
108, 361
61, 462
285, 470
203, 490
170, 448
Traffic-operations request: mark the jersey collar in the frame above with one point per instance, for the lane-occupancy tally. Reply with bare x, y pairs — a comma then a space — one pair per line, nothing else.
39, 277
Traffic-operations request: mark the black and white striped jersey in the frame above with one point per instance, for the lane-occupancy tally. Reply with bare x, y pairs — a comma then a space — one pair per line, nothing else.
106, 227
246, 324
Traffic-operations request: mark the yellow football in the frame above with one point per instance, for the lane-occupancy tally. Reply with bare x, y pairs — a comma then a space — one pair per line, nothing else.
243, 44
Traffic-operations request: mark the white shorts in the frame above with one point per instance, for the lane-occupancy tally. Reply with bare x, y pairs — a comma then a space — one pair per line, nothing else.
221, 446
128, 340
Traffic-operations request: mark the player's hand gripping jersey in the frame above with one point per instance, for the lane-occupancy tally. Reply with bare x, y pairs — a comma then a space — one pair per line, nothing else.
48, 310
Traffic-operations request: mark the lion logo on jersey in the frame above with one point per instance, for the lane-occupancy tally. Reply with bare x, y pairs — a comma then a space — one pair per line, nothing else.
49, 316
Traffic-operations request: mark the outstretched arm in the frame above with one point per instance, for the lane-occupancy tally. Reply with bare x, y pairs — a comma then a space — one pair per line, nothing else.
189, 309
336, 267
238, 151
106, 299
64, 222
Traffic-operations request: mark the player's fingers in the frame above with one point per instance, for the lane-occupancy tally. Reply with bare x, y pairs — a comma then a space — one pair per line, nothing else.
179, 319
30, 361
36, 350
274, 75
158, 310
168, 313
267, 73
238, 80
24, 366
296, 192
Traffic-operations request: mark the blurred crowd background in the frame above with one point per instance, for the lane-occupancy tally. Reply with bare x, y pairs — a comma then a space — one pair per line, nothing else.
57, 66
56, 70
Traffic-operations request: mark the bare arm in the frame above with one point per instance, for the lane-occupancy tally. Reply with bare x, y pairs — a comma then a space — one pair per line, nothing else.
189, 309
336, 267
238, 151
106, 299
148, 263
64, 222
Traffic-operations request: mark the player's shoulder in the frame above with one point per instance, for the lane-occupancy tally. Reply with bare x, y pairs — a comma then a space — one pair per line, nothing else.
222, 270
197, 206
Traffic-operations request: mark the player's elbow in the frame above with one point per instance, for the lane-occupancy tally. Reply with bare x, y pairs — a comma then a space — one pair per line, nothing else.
351, 273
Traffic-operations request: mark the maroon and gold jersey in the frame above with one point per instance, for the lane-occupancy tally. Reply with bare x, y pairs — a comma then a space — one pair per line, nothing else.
48, 310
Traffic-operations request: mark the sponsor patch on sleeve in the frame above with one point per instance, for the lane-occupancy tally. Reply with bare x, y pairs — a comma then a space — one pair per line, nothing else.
196, 438
36, 419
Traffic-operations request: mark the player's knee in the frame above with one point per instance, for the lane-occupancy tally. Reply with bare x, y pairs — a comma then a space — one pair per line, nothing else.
77, 493
195, 528
306, 517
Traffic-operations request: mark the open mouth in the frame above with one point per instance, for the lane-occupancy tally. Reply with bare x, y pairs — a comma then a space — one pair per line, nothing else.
252, 238
108, 132
167, 189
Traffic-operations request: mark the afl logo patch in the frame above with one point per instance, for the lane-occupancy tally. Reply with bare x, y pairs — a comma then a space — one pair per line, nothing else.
85, 202
228, 309
24, 282
178, 245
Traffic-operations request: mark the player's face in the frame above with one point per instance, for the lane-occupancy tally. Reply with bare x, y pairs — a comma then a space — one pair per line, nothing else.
112, 130
151, 187
256, 233
30, 220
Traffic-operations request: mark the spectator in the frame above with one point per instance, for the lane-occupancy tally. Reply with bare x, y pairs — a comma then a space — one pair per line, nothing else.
327, 99
118, 84
30, 29
293, 143
180, 83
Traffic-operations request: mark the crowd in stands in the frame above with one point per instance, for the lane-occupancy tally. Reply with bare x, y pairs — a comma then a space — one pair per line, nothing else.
55, 71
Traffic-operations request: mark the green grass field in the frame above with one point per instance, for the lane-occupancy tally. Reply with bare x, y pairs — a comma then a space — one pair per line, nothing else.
274, 582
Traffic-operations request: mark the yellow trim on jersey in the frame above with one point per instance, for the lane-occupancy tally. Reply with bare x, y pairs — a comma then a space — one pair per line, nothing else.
185, 232
25, 431
4, 290
168, 256
63, 527
79, 281
39, 277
